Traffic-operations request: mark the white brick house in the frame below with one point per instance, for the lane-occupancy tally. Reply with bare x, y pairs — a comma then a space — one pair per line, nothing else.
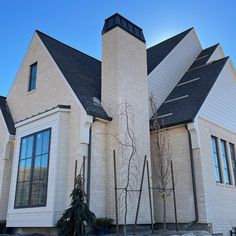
63, 103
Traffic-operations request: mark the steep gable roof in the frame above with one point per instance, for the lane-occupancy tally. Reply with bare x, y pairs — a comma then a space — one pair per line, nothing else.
7, 115
185, 100
82, 72
204, 56
158, 52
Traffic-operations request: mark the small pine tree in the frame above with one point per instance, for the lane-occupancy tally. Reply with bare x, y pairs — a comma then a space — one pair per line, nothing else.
72, 221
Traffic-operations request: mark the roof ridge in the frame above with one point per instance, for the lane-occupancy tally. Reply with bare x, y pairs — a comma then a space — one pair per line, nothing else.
185, 31
40, 32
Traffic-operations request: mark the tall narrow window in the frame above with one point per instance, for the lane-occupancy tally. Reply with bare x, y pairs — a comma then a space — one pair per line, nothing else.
33, 75
216, 159
233, 161
225, 162
31, 189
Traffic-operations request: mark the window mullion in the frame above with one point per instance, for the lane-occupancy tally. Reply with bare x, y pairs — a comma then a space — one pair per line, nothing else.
32, 169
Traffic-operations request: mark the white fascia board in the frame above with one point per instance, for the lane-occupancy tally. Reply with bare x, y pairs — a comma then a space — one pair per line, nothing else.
40, 116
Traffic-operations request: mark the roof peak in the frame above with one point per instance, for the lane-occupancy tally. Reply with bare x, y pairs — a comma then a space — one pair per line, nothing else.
184, 33
125, 24
46, 35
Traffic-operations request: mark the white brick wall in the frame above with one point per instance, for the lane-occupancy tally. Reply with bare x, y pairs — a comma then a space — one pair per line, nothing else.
220, 198
179, 152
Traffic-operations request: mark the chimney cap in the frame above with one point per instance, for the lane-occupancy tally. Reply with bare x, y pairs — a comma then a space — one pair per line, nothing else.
120, 21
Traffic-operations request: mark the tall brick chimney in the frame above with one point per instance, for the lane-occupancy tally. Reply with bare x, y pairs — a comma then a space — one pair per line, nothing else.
124, 79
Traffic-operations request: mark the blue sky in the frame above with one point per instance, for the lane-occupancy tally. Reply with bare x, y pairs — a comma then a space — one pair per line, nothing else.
79, 23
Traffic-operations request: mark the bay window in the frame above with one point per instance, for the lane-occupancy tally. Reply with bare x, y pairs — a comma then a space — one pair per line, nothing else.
32, 178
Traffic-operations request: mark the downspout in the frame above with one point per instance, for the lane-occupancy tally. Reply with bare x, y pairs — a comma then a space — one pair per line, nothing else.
193, 179
89, 163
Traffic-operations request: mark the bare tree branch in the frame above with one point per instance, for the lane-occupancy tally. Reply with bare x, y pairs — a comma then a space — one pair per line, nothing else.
161, 157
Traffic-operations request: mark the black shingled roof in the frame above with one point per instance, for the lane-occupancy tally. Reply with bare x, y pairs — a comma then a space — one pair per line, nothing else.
82, 72
204, 56
194, 94
158, 52
7, 115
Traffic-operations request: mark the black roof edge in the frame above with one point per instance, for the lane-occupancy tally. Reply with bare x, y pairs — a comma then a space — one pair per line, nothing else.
105, 117
174, 124
10, 122
116, 24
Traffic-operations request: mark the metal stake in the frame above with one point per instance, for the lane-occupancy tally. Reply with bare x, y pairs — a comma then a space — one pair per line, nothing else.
140, 192
75, 173
174, 198
116, 198
82, 228
150, 197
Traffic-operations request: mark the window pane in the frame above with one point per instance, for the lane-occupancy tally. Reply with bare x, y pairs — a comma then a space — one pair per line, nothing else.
21, 174
22, 194
23, 148
216, 159
46, 137
35, 193
34, 70
44, 166
33, 75
225, 162
232, 154
37, 167
39, 141
42, 191
29, 146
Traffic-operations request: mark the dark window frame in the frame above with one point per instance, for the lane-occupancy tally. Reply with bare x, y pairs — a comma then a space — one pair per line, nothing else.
218, 159
29, 205
225, 158
31, 86
233, 160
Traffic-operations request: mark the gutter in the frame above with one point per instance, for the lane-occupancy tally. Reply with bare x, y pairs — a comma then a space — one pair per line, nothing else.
193, 179
89, 163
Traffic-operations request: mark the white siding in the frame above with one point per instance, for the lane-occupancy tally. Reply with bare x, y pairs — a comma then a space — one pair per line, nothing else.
163, 79
218, 106
217, 54
42, 216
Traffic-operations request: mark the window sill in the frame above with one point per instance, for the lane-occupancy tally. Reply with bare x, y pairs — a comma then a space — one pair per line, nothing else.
225, 185
220, 184
230, 186
30, 92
